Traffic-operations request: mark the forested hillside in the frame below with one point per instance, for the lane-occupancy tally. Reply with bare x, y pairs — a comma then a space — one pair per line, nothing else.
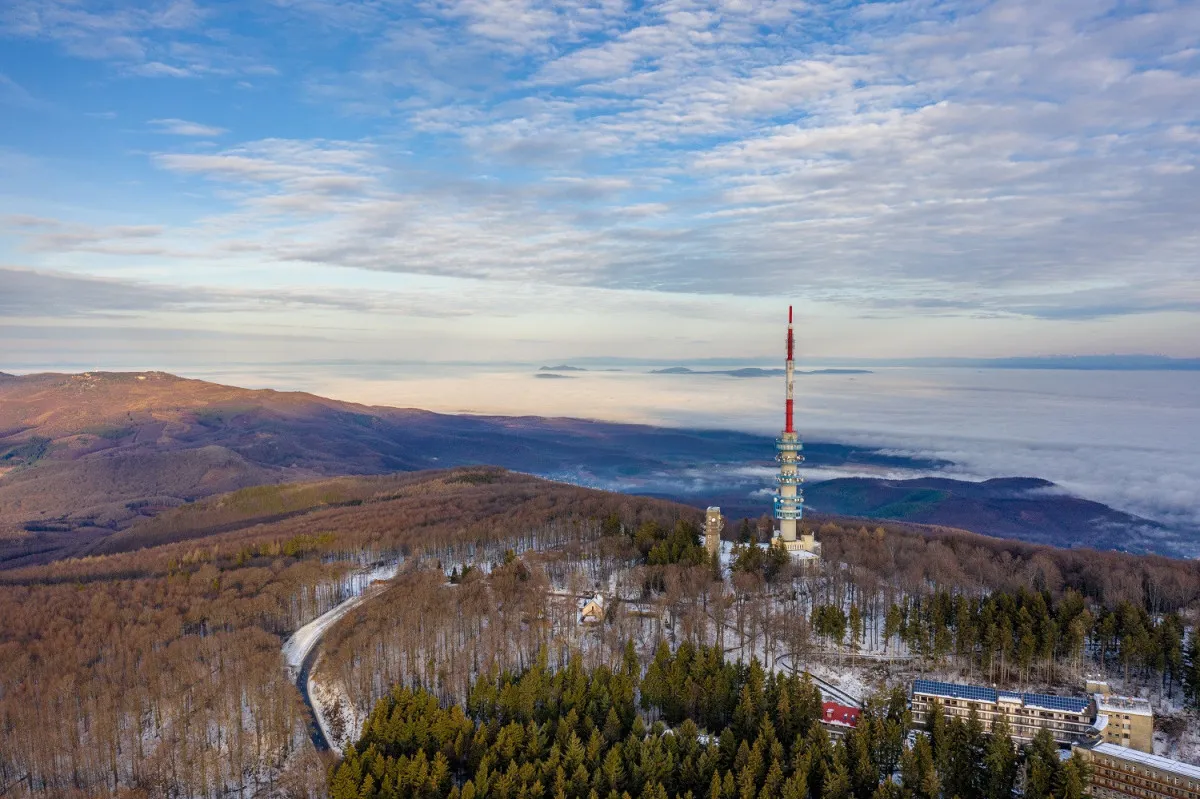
691, 726
158, 672
84, 456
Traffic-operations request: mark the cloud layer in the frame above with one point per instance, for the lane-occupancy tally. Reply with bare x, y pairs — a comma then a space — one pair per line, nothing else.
971, 159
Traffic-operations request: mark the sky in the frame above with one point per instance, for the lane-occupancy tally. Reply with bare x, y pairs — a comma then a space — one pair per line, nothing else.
190, 182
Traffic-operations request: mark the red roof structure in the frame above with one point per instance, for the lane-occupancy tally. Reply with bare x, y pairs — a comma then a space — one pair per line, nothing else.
833, 713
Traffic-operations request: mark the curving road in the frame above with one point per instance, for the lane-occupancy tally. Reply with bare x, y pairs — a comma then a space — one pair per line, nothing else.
300, 651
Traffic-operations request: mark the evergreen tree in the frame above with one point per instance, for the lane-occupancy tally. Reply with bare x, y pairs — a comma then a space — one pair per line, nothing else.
838, 783
1000, 762
1073, 777
1042, 766
1191, 672
935, 726
918, 774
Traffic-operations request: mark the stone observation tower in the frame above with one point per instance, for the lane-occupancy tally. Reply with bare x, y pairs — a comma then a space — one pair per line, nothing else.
789, 499
714, 523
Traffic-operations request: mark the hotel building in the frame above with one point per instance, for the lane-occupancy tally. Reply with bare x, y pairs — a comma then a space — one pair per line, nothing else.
1118, 772
1069, 719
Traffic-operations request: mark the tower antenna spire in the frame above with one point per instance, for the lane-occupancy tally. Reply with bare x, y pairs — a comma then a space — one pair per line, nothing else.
791, 371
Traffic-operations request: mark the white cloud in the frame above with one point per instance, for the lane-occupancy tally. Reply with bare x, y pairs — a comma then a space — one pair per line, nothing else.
159, 38
181, 127
996, 158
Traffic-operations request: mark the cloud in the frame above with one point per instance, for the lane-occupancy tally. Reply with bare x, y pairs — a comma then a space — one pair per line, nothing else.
160, 38
32, 293
181, 127
16, 95
28, 293
1000, 160
53, 236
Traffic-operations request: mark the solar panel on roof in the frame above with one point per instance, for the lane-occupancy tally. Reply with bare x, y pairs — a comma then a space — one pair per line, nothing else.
1068, 704
951, 690
979, 693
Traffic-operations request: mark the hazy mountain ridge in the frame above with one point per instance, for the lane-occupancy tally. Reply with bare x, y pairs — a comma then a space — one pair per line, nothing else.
754, 371
1026, 508
84, 456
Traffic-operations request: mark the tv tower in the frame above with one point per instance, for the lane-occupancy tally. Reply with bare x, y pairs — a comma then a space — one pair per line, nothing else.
789, 499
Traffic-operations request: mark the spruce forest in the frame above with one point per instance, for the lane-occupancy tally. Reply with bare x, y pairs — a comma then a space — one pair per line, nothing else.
692, 727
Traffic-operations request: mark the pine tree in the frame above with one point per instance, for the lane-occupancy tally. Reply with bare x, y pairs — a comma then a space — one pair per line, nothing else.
1043, 765
918, 775
837, 783
1000, 762
1073, 778
935, 726
1191, 672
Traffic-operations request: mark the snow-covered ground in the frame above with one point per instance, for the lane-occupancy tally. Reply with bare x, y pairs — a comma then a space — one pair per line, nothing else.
297, 648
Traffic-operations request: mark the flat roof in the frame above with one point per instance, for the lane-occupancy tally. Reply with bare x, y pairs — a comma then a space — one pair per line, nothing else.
1146, 759
1124, 704
979, 693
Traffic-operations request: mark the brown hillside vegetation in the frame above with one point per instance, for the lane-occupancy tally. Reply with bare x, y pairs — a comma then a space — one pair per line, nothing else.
99, 450
160, 670
85, 456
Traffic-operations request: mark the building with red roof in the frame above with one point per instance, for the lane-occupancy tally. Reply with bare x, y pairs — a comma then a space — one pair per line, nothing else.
838, 718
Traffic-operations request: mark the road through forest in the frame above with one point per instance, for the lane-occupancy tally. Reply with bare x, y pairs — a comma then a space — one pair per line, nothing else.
300, 651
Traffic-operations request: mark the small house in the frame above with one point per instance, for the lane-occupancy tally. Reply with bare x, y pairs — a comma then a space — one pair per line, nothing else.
592, 611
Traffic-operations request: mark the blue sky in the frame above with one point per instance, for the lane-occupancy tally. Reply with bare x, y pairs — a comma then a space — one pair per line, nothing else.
188, 182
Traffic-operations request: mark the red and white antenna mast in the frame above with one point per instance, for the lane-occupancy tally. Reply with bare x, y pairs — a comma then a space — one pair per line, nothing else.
789, 500
791, 372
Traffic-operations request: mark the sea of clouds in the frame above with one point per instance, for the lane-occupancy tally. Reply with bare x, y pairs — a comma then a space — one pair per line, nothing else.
1128, 439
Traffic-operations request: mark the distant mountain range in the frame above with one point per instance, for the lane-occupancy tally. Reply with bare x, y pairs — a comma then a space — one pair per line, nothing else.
84, 456
753, 371
1067, 362
748, 371
1026, 508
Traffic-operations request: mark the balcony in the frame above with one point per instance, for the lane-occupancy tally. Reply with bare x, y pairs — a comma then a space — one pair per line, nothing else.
791, 508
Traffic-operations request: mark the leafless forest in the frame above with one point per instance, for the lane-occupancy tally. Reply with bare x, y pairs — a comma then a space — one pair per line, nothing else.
158, 672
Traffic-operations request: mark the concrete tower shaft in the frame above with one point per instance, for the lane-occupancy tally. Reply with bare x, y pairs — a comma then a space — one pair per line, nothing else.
789, 500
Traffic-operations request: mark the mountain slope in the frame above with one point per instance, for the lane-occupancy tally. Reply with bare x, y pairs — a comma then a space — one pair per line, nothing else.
92, 453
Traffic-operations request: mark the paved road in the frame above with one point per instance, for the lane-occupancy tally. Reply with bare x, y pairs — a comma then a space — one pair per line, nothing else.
300, 651
828, 690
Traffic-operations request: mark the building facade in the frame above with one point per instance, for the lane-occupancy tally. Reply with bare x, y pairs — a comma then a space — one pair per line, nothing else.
1125, 721
1119, 771
1070, 720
